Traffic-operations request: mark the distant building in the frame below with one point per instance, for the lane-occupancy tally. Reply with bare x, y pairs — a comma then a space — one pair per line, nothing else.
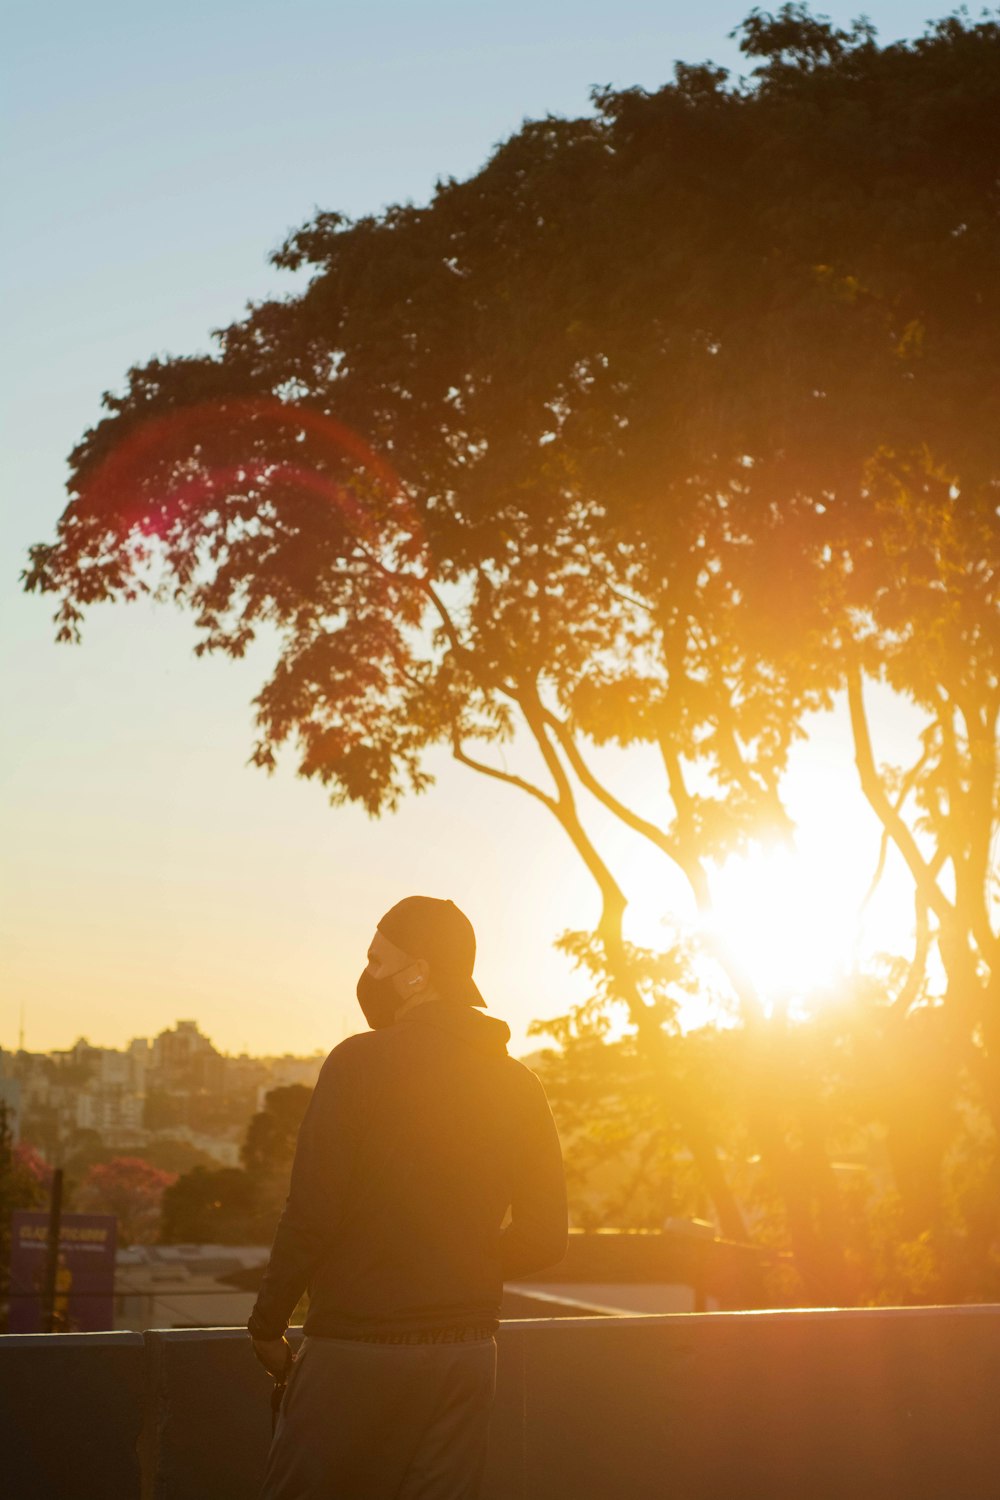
177, 1086
185, 1059
185, 1286
10, 1098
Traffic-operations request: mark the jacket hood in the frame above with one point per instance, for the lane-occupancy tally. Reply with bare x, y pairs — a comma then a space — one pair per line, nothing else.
487, 1033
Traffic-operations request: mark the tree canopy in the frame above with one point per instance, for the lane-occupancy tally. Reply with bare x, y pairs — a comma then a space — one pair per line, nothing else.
665, 427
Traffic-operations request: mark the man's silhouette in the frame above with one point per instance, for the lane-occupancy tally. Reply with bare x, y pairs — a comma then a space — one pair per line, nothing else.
419, 1137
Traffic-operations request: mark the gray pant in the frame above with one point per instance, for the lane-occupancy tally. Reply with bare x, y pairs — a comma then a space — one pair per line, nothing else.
364, 1421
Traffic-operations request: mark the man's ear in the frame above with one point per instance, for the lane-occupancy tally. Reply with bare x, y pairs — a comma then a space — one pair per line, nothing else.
420, 978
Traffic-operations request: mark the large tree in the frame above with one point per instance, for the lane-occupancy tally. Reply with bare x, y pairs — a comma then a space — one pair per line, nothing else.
664, 428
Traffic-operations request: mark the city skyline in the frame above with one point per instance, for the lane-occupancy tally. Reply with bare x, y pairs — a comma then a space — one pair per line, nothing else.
178, 1024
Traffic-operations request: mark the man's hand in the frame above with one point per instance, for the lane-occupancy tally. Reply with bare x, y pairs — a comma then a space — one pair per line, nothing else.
275, 1355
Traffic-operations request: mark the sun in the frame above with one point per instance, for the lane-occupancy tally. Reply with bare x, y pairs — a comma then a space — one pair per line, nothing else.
798, 919
795, 916
799, 915
791, 921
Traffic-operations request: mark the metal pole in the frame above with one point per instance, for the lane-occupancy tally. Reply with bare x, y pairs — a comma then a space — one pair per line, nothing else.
52, 1259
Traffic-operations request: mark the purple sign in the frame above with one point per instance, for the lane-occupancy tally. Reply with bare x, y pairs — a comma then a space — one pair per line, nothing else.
85, 1272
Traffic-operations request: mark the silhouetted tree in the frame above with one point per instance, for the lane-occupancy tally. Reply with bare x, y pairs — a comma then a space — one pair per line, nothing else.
271, 1134
664, 428
210, 1207
232, 1206
24, 1180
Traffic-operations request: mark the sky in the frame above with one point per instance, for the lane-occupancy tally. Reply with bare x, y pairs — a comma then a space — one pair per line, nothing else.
152, 157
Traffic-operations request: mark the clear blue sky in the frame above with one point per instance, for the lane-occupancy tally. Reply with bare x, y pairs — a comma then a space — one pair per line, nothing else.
153, 156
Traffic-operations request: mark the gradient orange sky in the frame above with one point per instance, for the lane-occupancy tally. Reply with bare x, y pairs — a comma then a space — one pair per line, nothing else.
148, 873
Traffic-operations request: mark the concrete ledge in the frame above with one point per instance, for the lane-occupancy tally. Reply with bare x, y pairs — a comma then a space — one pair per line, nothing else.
70, 1413
208, 1422
874, 1404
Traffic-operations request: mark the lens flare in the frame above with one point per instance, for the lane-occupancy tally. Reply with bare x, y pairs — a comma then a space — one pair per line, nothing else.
167, 469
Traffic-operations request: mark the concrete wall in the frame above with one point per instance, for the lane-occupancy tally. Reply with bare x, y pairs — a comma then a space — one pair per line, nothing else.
872, 1405
71, 1408
212, 1423
897, 1404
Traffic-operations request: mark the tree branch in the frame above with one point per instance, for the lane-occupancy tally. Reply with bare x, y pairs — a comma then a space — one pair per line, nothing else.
892, 821
918, 967
906, 787
691, 864
640, 825
618, 593
506, 776
612, 898
464, 653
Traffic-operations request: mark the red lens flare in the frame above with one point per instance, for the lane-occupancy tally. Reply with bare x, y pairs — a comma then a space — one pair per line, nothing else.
262, 450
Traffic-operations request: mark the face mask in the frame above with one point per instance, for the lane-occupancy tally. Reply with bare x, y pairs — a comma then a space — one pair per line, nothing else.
378, 998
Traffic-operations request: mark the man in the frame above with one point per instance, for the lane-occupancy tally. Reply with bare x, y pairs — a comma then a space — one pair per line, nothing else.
420, 1135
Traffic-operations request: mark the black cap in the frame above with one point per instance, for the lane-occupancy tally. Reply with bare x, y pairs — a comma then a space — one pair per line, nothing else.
437, 931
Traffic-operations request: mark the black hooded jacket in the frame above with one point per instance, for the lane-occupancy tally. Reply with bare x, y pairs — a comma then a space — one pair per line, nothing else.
417, 1139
